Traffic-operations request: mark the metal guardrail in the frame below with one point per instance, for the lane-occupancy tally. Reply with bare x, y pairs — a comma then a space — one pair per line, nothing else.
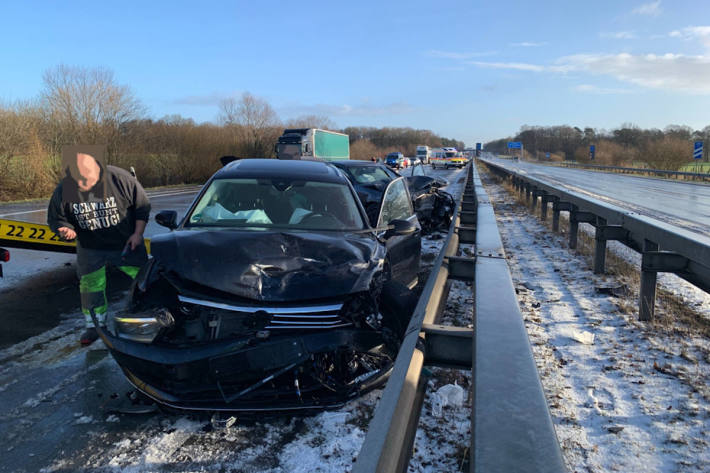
511, 425
643, 171
663, 247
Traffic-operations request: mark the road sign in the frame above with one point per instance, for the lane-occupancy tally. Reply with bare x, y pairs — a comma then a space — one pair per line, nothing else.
478, 146
698, 150
515, 144
547, 155
592, 150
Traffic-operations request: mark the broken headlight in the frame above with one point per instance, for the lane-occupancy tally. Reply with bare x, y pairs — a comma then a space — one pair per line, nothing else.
142, 327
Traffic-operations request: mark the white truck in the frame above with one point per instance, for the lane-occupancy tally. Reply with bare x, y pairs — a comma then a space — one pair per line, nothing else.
423, 154
313, 144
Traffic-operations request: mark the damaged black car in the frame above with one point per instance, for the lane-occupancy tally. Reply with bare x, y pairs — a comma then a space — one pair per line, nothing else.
273, 293
433, 206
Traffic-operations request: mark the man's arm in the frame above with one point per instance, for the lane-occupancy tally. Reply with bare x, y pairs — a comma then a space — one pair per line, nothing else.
56, 216
142, 205
136, 239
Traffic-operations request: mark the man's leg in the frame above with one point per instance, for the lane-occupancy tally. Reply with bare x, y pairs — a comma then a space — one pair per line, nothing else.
92, 287
131, 271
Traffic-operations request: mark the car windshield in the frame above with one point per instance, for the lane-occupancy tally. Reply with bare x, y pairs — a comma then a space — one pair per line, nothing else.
368, 174
289, 151
279, 203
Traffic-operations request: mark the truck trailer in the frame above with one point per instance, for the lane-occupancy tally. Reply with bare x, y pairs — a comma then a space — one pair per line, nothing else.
312, 144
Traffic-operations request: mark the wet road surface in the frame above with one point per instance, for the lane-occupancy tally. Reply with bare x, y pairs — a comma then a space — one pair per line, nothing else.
684, 204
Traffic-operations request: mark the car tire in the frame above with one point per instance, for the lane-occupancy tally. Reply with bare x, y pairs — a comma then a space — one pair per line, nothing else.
397, 304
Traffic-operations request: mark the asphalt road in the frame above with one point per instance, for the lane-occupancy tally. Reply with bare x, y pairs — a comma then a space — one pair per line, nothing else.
683, 204
57, 399
173, 198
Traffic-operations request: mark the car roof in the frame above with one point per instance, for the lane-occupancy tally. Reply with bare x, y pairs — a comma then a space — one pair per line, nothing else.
354, 163
281, 168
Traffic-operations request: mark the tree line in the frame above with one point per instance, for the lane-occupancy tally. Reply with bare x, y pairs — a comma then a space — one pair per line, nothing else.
628, 145
80, 105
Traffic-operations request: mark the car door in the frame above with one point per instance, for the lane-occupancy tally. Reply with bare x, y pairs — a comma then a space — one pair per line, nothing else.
403, 251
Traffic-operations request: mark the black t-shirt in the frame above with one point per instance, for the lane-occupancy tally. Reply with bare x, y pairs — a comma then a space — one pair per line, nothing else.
102, 218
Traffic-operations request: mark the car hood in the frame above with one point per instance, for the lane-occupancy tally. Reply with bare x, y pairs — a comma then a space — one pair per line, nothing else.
271, 266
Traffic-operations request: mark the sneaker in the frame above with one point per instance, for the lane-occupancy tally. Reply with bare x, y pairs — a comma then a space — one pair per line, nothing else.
89, 336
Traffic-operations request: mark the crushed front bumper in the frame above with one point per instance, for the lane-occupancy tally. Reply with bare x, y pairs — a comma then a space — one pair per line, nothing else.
240, 375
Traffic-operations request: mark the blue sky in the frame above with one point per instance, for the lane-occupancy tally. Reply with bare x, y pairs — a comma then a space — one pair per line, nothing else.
471, 70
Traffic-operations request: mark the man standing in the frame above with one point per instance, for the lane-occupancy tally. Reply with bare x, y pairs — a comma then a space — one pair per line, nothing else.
106, 210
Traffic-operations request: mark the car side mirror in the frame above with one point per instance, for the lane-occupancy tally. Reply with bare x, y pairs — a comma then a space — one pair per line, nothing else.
400, 228
167, 218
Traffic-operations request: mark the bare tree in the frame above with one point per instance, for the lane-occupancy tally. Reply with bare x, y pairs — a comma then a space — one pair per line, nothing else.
312, 121
364, 149
87, 105
255, 124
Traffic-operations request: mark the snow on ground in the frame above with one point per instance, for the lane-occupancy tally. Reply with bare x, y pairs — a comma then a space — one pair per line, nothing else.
624, 396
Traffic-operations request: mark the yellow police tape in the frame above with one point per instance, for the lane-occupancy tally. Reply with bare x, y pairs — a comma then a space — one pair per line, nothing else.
35, 236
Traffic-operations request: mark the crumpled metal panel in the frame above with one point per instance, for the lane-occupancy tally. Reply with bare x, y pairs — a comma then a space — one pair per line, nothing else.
272, 266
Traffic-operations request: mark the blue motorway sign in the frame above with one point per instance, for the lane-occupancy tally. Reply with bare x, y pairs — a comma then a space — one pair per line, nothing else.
547, 155
697, 150
478, 146
515, 144
592, 150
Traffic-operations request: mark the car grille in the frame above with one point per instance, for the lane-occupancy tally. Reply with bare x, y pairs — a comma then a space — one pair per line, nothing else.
300, 317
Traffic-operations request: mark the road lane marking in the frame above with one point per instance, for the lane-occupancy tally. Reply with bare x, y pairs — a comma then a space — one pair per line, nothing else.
23, 212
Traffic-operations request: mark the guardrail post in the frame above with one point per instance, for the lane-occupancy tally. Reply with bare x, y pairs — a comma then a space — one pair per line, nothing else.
544, 199
555, 213
573, 227
535, 193
647, 295
599, 247
527, 192
575, 218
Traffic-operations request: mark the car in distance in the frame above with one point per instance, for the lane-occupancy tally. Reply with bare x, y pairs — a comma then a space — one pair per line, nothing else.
397, 161
272, 293
457, 160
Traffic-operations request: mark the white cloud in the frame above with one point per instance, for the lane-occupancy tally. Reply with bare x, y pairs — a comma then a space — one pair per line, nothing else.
593, 89
528, 44
676, 72
618, 35
457, 55
701, 33
648, 9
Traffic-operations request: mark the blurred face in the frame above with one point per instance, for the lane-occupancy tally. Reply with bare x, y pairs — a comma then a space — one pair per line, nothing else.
89, 172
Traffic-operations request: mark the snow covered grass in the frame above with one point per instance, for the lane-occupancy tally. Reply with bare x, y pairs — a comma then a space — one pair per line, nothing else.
624, 395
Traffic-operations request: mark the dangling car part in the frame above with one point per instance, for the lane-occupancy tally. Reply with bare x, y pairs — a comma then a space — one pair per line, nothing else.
271, 294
